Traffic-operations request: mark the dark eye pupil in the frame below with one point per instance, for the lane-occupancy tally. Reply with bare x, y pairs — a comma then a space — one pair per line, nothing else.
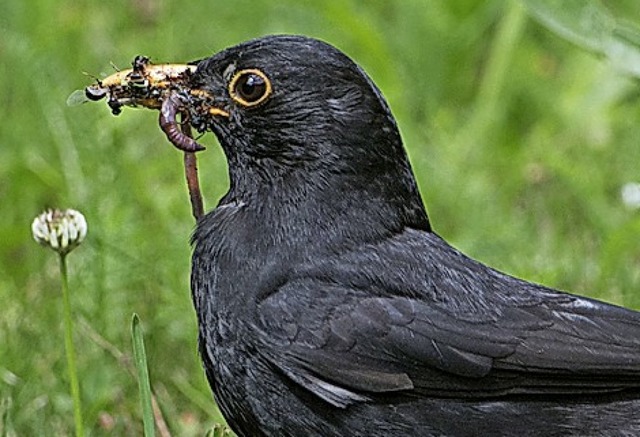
251, 87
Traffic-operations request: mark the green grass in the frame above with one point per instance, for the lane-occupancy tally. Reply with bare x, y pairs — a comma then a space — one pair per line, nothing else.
520, 141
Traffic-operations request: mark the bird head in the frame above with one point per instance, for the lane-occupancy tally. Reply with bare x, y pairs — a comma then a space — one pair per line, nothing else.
296, 117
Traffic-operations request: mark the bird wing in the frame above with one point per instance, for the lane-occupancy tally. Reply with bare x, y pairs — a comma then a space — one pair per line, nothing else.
412, 314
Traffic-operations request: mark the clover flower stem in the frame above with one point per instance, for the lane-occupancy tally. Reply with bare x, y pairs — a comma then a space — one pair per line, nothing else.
70, 351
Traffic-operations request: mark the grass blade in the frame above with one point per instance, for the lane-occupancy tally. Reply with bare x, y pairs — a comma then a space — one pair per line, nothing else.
143, 376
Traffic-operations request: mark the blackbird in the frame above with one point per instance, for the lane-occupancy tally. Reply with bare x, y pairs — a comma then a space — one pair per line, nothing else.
327, 305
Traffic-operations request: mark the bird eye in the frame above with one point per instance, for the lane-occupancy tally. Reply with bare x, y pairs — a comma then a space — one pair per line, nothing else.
250, 87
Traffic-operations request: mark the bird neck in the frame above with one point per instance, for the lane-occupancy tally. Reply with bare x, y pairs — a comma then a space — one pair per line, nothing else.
331, 206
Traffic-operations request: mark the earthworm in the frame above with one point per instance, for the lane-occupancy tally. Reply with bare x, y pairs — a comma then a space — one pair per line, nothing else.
191, 173
169, 125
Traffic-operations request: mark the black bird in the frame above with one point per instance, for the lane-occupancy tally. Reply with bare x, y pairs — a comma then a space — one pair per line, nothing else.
327, 305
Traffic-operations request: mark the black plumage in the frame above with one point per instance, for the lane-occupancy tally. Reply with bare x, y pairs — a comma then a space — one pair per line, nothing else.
326, 304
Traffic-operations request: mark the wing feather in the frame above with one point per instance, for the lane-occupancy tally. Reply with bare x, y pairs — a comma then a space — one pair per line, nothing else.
359, 331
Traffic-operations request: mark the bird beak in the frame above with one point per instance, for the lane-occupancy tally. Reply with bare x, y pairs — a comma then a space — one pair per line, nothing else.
217, 111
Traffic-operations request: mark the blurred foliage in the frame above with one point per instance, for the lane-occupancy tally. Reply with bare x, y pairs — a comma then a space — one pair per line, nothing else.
589, 24
521, 140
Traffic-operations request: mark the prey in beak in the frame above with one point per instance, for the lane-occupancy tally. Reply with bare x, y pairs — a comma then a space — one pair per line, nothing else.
169, 89
165, 87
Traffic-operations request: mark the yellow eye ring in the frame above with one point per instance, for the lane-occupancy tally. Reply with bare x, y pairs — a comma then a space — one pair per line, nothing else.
250, 87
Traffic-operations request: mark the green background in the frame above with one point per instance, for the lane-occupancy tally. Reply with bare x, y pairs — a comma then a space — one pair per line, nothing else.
520, 140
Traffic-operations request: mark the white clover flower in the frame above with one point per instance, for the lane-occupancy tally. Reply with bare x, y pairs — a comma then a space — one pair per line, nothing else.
61, 230
630, 194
